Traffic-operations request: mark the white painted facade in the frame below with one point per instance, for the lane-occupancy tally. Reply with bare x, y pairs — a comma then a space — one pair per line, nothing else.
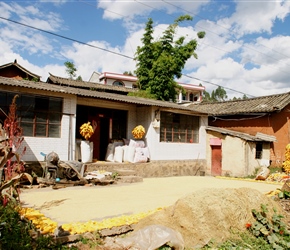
66, 145
170, 150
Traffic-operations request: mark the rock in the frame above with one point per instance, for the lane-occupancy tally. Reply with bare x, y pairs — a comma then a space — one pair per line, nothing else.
211, 214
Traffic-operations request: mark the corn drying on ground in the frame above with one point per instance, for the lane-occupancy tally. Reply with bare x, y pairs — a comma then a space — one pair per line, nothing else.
47, 226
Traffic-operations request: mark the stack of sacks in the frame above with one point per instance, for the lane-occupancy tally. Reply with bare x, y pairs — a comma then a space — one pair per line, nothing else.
133, 151
110, 155
136, 152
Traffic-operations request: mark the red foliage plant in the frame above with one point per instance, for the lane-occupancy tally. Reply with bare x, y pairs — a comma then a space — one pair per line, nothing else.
15, 138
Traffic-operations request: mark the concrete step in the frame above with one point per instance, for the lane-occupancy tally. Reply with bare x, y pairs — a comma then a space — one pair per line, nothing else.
129, 179
126, 172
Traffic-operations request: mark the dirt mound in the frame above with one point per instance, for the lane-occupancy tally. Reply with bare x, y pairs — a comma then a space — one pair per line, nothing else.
211, 214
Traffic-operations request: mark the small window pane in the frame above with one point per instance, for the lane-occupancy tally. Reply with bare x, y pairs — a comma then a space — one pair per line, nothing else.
27, 129
55, 105
27, 103
54, 118
40, 130
41, 117
54, 131
41, 104
27, 116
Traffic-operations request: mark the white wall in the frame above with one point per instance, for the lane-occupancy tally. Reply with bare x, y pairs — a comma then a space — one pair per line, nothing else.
168, 150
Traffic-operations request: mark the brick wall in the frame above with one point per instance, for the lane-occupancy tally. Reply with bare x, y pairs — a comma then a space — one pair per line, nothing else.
276, 124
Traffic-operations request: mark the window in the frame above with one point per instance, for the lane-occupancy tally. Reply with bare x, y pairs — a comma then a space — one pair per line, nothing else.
259, 150
118, 83
39, 116
179, 128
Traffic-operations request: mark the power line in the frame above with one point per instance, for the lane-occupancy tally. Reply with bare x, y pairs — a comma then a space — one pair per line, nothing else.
67, 38
109, 51
201, 17
195, 78
245, 46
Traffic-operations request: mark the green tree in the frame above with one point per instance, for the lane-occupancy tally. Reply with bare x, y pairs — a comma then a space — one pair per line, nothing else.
160, 62
71, 71
217, 95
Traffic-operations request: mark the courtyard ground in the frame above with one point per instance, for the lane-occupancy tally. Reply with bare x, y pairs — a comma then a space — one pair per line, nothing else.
84, 203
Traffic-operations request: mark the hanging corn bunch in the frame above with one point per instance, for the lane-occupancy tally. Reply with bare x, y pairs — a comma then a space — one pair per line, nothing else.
286, 163
86, 130
138, 132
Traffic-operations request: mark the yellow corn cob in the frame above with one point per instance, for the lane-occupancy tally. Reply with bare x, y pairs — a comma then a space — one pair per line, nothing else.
86, 130
138, 132
286, 163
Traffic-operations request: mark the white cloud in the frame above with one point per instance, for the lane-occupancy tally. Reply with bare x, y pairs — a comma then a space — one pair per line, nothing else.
258, 16
224, 55
268, 51
116, 9
88, 59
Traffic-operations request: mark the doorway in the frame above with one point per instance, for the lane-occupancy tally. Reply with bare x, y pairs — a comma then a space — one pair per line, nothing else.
216, 160
111, 125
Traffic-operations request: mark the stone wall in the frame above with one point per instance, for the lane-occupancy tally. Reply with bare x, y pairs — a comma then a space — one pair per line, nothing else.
145, 170
154, 168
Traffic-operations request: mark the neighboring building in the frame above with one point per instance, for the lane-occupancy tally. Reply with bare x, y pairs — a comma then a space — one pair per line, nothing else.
266, 116
51, 113
234, 153
193, 93
14, 70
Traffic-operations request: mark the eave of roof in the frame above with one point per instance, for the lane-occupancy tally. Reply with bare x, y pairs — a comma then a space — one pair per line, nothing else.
264, 104
57, 80
93, 94
244, 136
21, 68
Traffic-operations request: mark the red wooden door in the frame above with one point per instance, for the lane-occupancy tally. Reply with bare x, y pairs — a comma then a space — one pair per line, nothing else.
216, 160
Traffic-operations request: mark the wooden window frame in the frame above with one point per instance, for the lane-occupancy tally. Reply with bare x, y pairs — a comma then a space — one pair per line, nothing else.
179, 128
33, 118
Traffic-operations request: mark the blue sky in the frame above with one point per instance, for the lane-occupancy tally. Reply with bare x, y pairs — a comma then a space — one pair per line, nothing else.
246, 48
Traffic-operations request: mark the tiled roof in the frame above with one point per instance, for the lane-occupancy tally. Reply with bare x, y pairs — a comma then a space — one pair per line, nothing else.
21, 68
86, 85
92, 94
244, 136
262, 104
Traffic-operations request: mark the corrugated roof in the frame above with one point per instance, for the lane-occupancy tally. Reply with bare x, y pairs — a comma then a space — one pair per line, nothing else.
91, 93
262, 104
86, 85
244, 136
